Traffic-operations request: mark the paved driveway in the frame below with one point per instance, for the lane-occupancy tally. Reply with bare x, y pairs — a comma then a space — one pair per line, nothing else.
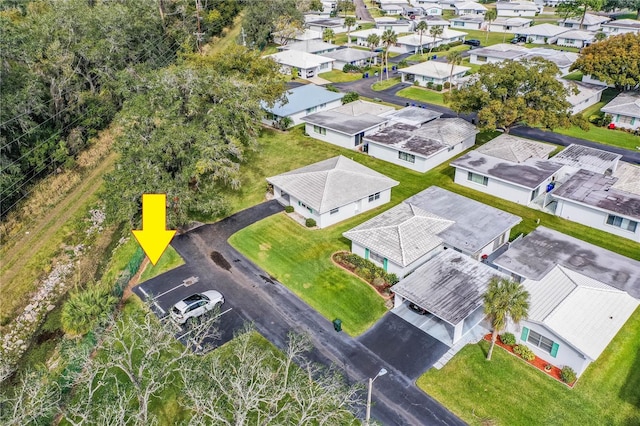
256, 298
406, 347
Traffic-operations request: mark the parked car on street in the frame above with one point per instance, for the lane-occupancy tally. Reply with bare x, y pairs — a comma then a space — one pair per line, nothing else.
195, 305
521, 39
473, 42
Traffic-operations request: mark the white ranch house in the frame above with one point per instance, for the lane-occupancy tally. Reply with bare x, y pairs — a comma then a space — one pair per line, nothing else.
509, 25
332, 190
336, 25
302, 101
517, 8
306, 65
432, 72
624, 110
543, 33
591, 22
621, 26
469, 8
316, 47
468, 22
576, 38
351, 56
588, 94
397, 25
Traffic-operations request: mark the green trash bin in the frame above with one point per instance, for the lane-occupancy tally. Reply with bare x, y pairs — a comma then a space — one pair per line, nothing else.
337, 324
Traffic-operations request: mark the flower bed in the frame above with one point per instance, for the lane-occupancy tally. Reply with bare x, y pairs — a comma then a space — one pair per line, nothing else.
537, 362
366, 270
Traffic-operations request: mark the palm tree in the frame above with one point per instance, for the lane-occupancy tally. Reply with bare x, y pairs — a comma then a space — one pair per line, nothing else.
328, 35
435, 31
349, 22
454, 57
86, 309
389, 37
421, 28
489, 16
504, 299
373, 40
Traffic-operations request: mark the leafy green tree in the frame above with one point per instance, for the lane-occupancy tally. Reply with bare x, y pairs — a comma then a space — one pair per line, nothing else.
187, 131
328, 35
490, 16
345, 6
349, 22
504, 299
612, 5
86, 309
389, 38
514, 92
615, 60
578, 8
287, 27
261, 16
421, 28
435, 31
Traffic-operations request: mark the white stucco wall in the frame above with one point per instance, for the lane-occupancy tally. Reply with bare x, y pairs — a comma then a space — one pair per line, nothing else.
523, 13
566, 355
498, 188
635, 124
569, 42
466, 25
336, 138
594, 218
473, 58
592, 100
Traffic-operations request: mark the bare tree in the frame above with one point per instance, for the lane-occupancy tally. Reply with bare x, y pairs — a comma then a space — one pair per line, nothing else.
33, 400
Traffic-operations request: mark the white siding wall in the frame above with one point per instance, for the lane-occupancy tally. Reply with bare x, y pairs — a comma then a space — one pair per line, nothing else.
499, 188
594, 218
336, 138
344, 212
566, 355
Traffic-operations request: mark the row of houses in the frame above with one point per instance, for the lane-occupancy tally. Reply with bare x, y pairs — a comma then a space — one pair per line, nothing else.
446, 248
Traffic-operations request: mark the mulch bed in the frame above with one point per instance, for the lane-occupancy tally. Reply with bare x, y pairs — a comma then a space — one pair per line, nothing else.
538, 362
386, 295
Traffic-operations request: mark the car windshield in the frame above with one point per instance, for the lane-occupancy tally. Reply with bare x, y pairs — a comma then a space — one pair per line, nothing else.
195, 298
176, 311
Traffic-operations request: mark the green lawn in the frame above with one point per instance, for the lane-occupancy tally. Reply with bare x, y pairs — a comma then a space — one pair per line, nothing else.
493, 37
301, 259
422, 95
337, 76
385, 84
506, 391
421, 58
553, 46
170, 259
574, 76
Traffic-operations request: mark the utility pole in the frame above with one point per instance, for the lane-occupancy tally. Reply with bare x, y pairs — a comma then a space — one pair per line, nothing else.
198, 34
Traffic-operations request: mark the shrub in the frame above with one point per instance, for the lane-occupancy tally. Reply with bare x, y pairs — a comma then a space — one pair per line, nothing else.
455, 43
447, 84
403, 64
310, 223
430, 85
567, 374
392, 279
331, 88
508, 339
351, 68
86, 309
416, 83
524, 352
288, 209
439, 87
350, 97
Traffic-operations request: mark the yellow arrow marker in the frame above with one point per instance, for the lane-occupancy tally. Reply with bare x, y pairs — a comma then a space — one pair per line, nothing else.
154, 237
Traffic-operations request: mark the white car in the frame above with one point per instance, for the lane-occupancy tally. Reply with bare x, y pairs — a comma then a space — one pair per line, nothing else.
195, 305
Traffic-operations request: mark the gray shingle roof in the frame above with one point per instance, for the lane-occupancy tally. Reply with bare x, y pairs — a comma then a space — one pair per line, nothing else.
515, 149
536, 254
302, 98
450, 285
332, 183
350, 55
627, 104
351, 125
476, 224
402, 234
589, 19
584, 157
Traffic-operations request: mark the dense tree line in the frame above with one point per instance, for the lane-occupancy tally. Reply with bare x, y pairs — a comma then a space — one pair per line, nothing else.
66, 68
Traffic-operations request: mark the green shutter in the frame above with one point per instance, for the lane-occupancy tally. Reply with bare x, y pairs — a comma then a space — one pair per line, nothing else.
554, 349
525, 334
384, 264
633, 120
366, 253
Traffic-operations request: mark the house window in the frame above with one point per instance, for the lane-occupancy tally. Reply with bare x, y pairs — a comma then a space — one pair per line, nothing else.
406, 157
625, 119
482, 59
323, 105
312, 109
376, 257
320, 130
303, 205
482, 180
540, 341
622, 223
374, 197
334, 211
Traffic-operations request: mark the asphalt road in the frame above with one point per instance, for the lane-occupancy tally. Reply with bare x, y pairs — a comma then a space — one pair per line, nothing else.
256, 298
363, 87
362, 13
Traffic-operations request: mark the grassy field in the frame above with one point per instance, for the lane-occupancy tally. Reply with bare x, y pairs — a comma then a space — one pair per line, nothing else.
486, 38
170, 259
507, 391
574, 76
423, 57
385, 84
554, 47
422, 95
337, 76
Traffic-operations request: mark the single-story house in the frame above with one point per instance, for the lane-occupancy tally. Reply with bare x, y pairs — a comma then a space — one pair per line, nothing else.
580, 295
468, 22
360, 37
576, 38
302, 35
542, 34
432, 72
351, 56
479, 229
421, 148
433, 9
412, 12
576, 157
332, 190
397, 25
336, 25
449, 36
392, 9
347, 125
517, 8
302, 101
469, 8
610, 203
413, 115
411, 43
563, 60
449, 4
306, 65
624, 110
497, 53
317, 47
588, 94
399, 240
433, 21
508, 167
621, 26
591, 22
450, 287
509, 25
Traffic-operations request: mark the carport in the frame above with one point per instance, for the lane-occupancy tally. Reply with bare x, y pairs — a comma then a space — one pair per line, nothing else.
450, 288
